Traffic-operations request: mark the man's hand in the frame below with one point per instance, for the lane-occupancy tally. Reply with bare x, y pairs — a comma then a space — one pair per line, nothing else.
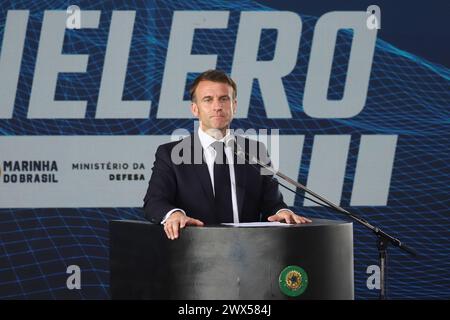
178, 220
289, 217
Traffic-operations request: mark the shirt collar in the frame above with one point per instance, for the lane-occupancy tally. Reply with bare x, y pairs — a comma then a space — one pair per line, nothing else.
206, 140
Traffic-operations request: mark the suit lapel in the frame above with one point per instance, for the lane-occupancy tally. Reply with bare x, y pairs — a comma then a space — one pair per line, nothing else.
240, 173
201, 168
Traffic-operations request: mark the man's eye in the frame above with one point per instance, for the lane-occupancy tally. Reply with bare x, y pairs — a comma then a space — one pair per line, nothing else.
224, 99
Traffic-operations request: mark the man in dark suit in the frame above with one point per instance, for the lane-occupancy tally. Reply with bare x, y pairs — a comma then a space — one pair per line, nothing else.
201, 180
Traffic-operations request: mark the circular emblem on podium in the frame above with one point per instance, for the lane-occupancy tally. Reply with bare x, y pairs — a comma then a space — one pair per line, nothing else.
293, 281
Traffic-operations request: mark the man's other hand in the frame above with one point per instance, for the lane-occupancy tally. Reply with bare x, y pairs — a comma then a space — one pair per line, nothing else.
289, 217
178, 220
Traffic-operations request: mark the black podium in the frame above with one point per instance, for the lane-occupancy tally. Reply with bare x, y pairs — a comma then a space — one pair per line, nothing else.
229, 262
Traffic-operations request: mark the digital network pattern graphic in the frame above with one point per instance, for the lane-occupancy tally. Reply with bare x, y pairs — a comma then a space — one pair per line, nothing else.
407, 96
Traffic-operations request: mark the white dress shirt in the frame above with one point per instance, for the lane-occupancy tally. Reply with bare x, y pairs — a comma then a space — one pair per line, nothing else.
210, 156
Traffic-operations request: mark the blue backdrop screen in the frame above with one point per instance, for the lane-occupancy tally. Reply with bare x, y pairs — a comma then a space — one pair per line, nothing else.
406, 104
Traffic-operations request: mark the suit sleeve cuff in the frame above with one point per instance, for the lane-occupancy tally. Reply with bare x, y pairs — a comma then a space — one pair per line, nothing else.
284, 210
169, 213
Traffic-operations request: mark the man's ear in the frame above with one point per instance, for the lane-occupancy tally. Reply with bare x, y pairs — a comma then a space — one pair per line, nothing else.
234, 106
194, 109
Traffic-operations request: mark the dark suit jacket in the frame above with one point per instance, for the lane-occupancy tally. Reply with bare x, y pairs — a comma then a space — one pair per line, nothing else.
188, 185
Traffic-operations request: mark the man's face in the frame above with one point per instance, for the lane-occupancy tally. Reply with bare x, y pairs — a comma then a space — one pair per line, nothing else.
214, 105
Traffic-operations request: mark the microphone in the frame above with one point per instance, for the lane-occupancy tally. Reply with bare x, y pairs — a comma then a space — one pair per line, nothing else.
252, 160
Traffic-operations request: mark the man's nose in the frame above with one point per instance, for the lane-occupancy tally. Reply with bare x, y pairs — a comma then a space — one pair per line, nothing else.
217, 104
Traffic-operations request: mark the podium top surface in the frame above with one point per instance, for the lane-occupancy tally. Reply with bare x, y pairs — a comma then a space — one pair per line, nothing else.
314, 223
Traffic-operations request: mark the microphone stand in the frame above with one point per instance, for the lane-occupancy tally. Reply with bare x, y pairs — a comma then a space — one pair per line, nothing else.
383, 239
